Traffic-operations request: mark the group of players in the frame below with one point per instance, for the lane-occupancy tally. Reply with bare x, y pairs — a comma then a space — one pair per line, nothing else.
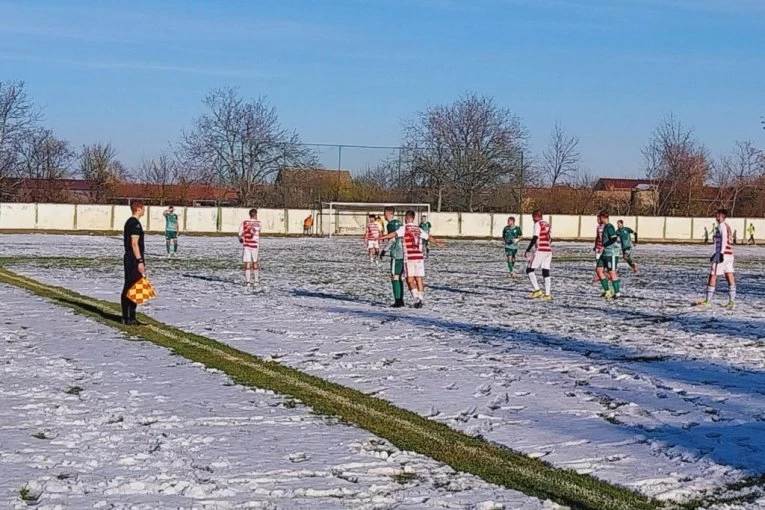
408, 244
612, 243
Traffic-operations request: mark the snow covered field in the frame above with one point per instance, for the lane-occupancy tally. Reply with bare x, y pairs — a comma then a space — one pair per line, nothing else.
89, 420
646, 392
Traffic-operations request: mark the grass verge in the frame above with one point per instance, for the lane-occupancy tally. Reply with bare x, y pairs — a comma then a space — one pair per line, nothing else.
405, 429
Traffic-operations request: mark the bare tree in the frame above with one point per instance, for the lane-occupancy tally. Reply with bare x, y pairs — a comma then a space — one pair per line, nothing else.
161, 174
678, 164
242, 142
18, 118
738, 175
44, 159
561, 159
100, 167
471, 145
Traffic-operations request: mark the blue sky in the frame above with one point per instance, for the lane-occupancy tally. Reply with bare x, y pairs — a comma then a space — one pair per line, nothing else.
349, 71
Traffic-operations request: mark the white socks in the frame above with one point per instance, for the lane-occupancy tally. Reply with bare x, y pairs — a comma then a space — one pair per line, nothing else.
548, 284
711, 292
247, 276
534, 282
732, 292
256, 275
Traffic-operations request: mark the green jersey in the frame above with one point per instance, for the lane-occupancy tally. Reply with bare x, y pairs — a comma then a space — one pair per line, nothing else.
609, 234
426, 226
171, 222
512, 236
396, 247
625, 236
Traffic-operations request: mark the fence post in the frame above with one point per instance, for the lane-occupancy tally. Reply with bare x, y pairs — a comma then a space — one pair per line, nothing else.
286, 221
664, 234
74, 220
111, 221
693, 228
37, 215
579, 231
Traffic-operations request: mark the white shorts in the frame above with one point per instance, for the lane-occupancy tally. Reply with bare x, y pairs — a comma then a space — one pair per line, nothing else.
540, 260
414, 269
250, 255
724, 267
373, 245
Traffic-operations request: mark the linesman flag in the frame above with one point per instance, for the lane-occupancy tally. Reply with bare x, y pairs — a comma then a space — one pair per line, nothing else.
141, 291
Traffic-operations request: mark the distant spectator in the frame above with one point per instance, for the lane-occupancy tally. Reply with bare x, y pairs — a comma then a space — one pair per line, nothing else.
308, 225
735, 237
750, 231
706, 235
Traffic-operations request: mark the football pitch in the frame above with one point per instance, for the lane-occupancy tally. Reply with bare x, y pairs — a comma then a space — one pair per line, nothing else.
315, 394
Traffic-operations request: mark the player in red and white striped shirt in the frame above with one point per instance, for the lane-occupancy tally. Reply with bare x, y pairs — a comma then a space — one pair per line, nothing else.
372, 236
540, 248
722, 262
249, 236
414, 256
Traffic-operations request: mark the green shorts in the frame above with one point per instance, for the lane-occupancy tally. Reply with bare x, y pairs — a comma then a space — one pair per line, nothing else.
171, 235
397, 267
609, 262
511, 252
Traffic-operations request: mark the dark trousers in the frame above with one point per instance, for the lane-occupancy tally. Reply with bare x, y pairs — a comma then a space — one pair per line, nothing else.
131, 276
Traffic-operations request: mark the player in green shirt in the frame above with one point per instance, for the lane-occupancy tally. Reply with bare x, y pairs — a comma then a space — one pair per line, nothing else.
396, 248
171, 230
425, 226
609, 257
511, 235
625, 237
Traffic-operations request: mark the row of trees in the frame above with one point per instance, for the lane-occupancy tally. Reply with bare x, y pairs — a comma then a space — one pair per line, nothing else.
466, 155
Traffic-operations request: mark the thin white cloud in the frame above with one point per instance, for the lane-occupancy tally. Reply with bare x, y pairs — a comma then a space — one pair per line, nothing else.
135, 66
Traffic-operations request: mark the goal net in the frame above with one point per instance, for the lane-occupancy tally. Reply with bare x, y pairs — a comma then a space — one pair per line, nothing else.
350, 218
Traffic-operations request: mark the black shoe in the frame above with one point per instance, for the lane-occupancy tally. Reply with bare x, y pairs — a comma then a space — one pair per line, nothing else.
418, 304
398, 304
131, 322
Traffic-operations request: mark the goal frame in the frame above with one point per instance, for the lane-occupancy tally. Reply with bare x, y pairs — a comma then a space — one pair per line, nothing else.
332, 209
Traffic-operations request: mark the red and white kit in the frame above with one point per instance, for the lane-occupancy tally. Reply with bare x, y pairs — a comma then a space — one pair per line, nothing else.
599, 241
249, 231
414, 258
542, 258
723, 245
373, 235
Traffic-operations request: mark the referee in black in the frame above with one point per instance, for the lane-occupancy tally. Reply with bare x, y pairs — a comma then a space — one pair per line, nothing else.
135, 267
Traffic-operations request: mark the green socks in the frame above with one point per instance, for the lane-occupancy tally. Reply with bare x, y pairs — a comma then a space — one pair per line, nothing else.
398, 289
617, 284
510, 266
604, 284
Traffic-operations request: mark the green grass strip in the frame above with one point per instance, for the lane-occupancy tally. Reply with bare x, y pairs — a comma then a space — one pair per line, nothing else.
405, 429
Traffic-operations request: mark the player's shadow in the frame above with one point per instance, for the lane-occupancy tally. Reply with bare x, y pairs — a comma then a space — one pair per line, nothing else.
332, 297
113, 317
691, 371
735, 443
728, 326
455, 290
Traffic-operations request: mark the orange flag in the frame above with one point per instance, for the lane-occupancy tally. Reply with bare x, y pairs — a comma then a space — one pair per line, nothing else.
141, 291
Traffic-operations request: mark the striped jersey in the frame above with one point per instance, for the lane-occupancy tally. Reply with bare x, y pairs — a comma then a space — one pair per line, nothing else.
249, 231
599, 239
723, 236
542, 233
413, 236
373, 231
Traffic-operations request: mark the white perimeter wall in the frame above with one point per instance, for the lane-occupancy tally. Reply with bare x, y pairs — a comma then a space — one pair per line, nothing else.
213, 220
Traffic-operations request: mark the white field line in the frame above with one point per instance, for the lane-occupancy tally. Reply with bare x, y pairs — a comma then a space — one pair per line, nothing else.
543, 478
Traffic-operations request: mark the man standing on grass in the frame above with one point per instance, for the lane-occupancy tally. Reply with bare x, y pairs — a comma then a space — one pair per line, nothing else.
414, 257
540, 251
425, 226
171, 230
396, 249
249, 237
609, 257
722, 262
625, 236
511, 235
133, 262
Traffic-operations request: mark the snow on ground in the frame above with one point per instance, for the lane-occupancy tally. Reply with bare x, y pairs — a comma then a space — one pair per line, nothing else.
647, 392
89, 419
